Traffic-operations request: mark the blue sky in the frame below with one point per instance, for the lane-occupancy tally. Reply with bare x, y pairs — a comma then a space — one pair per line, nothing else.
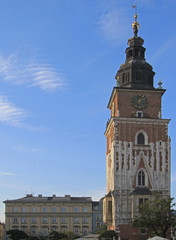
58, 60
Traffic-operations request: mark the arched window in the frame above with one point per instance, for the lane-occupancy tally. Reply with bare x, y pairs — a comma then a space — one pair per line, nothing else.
141, 178
124, 78
138, 76
137, 53
130, 54
140, 139
142, 54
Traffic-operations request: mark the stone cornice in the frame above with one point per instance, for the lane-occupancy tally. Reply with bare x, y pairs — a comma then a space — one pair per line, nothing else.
120, 89
135, 121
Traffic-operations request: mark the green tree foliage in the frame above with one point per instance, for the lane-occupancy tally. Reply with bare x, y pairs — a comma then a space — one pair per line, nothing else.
17, 234
34, 238
57, 235
101, 229
157, 215
64, 236
108, 235
71, 235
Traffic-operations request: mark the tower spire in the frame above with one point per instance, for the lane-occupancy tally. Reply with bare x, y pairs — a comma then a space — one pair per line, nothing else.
135, 25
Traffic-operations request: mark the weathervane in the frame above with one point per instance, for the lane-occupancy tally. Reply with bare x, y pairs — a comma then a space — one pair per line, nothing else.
135, 6
135, 25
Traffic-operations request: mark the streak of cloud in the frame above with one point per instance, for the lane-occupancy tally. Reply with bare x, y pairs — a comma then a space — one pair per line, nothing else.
27, 149
6, 174
162, 50
18, 70
10, 114
46, 78
15, 116
113, 26
113, 23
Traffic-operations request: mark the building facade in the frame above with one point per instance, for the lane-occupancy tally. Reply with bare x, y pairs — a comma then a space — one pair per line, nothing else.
39, 216
2, 231
97, 215
138, 146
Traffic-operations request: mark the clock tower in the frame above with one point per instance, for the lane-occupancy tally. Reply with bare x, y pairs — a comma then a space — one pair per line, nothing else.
138, 146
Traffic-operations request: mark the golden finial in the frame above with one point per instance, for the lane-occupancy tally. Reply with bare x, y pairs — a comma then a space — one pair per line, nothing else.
135, 25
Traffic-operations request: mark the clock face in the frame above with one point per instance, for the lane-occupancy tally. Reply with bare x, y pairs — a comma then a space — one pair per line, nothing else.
139, 101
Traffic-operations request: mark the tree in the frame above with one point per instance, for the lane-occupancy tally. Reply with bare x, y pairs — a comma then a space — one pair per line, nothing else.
34, 238
101, 229
57, 235
157, 215
17, 234
71, 235
108, 235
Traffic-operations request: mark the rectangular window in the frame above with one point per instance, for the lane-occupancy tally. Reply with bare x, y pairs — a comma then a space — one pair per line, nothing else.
76, 209
44, 209
76, 220
33, 209
53, 209
63, 220
54, 220
84, 209
76, 231
63, 229
63, 209
33, 230
98, 224
85, 230
15, 209
85, 220
23, 220
98, 216
33, 220
24, 229
142, 201
109, 207
44, 230
15, 220
23, 209
54, 229
45, 220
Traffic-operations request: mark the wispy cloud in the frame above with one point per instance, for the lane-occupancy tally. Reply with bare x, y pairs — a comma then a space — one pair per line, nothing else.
15, 116
46, 77
7, 174
10, 114
18, 70
163, 49
113, 22
27, 149
113, 26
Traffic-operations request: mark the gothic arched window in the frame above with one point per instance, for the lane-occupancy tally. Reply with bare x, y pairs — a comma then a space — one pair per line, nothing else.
141, 178
140, 139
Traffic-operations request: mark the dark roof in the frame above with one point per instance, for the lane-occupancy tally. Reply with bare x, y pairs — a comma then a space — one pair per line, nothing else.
141, 191
54, 198
95, 203
109, 194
